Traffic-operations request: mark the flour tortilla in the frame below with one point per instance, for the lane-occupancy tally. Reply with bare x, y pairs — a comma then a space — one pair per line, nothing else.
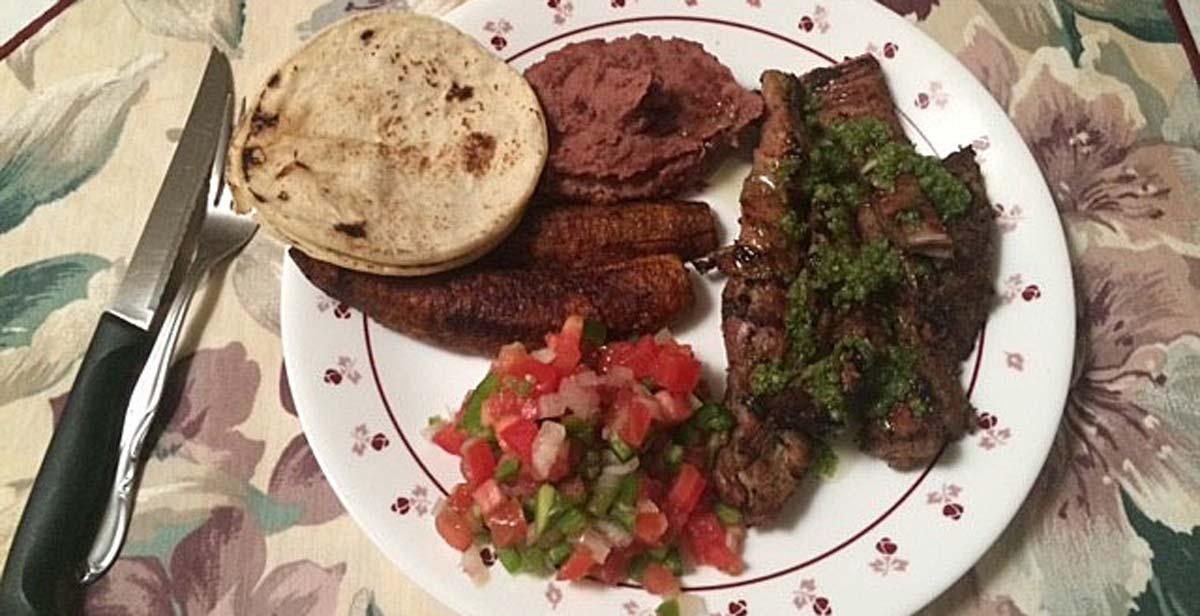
392, 143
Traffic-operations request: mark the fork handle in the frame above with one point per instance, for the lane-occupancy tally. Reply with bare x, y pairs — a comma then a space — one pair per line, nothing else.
139, 416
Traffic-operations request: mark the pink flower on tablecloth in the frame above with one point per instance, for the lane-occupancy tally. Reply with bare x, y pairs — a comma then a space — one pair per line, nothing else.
207, 397
297, 480
218, 568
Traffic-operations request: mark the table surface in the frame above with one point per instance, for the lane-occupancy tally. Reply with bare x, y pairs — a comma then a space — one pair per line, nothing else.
234, 515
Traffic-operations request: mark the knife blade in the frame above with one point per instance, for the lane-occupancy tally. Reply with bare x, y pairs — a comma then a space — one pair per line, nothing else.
42, 572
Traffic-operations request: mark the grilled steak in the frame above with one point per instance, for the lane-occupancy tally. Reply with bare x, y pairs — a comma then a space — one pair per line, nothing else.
478, 311
765, 459
859, 281
570, 236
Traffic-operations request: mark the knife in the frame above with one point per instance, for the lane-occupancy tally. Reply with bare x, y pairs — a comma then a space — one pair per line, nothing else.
42, 573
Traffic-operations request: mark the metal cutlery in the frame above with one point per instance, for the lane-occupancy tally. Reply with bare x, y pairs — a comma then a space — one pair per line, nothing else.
222, 234
68, 498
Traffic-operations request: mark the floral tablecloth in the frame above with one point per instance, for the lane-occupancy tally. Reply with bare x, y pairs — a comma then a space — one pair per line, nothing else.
234, 516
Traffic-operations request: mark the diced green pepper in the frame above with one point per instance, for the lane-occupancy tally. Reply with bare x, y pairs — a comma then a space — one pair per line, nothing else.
533, 560
510, 558
472, 420
728, 515
603, 495
627, 491
673, 561
571, 523
595, 333
435, 421
637, 566
674, 457
714, 417
580, 429
546, 496
689, 433
670, 607
558, 554
507, 469
623, 514
623, 451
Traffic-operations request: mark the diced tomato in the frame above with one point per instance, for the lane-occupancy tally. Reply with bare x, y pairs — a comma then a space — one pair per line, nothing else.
676, 370
637, 356
517, 437
455, 528
450, 438
566, 346
507, 524
660, 581
706, 537
632, 418
488, 496
578, 565
615, 568
650, 527
501, 405
460, 498
478, 461
513, 362
686, 490
675, 407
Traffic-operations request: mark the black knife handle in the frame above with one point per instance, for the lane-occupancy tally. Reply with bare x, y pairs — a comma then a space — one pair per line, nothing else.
41, 576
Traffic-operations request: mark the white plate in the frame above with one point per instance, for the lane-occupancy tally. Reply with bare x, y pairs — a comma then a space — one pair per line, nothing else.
869, 540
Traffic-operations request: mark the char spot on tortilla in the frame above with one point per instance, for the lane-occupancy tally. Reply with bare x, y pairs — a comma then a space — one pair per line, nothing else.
274, 80
366, 35
261, 121
283, 195
354, 229
257, 197
478, 150
459, 93
251, 157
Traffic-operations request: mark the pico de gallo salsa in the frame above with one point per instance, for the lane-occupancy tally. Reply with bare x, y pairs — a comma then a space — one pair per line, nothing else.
592, 459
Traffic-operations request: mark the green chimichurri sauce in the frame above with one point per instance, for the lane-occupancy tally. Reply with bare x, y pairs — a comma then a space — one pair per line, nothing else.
846, 163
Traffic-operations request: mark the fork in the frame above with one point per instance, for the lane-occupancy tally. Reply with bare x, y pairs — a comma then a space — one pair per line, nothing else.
223, 232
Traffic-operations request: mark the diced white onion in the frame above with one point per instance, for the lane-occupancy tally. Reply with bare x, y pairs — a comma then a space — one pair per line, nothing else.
545, 355
613, 533
695, 402
619, 469
646, 505
546, 445
692, 605
552, 405
472, 565
587, 378
663, 336
582, 400
619, 376
596, 544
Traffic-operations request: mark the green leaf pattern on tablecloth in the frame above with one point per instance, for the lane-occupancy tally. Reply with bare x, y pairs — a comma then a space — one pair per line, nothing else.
63, 136
47, 309
21, 61
1176, 561
28, 294
1114, 123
